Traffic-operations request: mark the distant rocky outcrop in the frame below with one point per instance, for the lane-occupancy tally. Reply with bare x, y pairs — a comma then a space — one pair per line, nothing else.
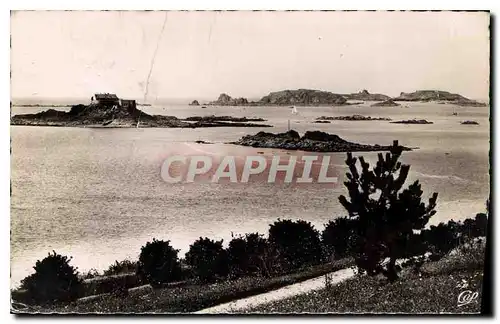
194, 103
313, 141
365, 95
386, 103
304, 97
412, 121
300, 97
469, 122
440, 96
351, 118
226, 100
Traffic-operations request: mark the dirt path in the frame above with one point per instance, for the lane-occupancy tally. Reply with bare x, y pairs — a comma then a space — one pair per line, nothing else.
281, 293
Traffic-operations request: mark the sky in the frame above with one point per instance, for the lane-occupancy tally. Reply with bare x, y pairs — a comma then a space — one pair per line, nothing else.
198, 55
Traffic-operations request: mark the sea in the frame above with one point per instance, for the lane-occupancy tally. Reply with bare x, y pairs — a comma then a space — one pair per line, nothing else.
96, 194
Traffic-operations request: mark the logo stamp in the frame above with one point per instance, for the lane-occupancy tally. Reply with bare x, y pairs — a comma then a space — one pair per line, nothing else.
467, 297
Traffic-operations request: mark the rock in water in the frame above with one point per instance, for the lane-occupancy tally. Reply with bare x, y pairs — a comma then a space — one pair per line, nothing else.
412, 121
387, 103
312, 141
440, 96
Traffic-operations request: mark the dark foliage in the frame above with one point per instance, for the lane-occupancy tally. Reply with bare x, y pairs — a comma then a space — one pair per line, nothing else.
158, 263
125, 266
92, 273
444, 237
208, 259
297, 243
110, 284
386, 217
54, 281
337, 238
246, 255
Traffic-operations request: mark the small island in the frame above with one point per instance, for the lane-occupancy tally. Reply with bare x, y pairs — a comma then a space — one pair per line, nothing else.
412, 121
439, 96
351, 118
366, 96
386, 103
312, 141
107, 110
469, 122
194, 103
300, 97
319, 121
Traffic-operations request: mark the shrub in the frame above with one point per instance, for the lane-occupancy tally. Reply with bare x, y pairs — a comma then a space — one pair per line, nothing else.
386, 217
337, 238
246, 255
475, 227
54, 281
468, 256
442, 238
92, 273
297, 243
110, 284
158, 263
125, 266
208, 259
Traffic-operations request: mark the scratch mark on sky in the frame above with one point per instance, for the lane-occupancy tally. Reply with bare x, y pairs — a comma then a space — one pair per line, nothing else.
154, 56
210, 28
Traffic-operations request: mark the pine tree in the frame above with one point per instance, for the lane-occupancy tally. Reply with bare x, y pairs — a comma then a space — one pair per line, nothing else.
386, 217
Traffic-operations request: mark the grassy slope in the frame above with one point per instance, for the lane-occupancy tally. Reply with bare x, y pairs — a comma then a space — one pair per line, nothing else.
193, 297
435, 294
435, 289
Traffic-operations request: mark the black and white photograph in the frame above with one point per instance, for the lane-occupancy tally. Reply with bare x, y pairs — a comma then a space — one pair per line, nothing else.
250, 162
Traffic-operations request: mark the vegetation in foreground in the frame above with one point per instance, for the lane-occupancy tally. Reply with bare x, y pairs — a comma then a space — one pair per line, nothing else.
434, 288
190, 297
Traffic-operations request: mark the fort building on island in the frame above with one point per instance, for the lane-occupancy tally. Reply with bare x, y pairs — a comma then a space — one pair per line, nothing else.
112, 100
106, 99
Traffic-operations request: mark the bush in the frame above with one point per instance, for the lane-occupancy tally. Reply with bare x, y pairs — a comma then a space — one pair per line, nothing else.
297, 243
337, 238
158, 263
246, 255
208, 259
54, 281
125, 266
474, 227
468, 256
442, 238
385, 217
110, 284
92, 273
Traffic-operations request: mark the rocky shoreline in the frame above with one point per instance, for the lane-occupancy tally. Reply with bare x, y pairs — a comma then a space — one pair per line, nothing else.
412, 121
121, 117
438, 96
312, 141
351, 118
469, 122
386, 103
213, 118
